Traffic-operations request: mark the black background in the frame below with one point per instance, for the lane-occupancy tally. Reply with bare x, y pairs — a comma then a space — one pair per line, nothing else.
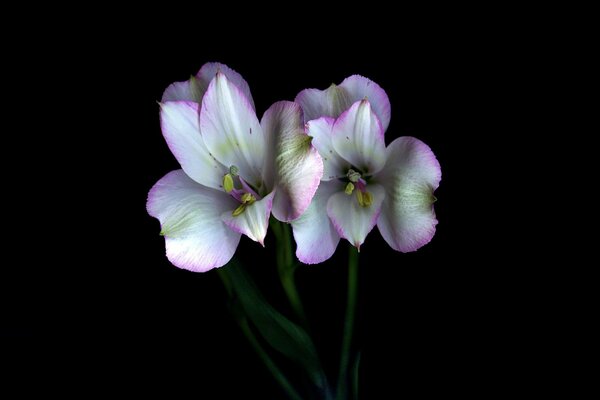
430, 320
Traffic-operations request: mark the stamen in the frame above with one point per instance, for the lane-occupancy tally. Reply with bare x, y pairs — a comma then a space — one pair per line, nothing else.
365, 199
247, 199
234, 171
353, 176
228, 183
241, 208
349, 188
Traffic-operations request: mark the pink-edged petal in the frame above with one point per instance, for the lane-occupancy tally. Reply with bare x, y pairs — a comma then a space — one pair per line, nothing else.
190, 216
410, 176
209, 71
297, 165
330, 102
315, 236
352, 221
231, 130
195, 88
254, 221
358, 87
334, 166
183, 91
357, 136
179, 123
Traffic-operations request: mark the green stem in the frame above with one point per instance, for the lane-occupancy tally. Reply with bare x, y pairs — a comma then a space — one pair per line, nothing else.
349, 322
277, 374
286, 270
269, 363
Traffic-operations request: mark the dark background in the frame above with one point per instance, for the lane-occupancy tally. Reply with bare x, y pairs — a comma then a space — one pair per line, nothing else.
433, 320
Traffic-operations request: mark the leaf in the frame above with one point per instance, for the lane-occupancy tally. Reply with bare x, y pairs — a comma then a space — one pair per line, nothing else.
282, 334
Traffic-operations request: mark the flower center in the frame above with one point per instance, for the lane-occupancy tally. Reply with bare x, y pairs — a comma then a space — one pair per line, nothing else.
356, 181
246, 195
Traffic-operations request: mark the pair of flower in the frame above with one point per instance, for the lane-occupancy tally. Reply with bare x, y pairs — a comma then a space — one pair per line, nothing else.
319, 163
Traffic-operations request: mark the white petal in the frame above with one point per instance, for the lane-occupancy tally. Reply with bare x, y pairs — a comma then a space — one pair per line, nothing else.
357, 136
336, 99
179, 123
231, 130
195, 88
315, 235
190, 216
296, 164
254, 221
352, 221
330, 102
334, 166
358, 87
410, 176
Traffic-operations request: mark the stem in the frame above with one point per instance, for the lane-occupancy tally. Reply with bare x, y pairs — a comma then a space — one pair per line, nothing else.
269, 363
277, 374
349, 322
286, 269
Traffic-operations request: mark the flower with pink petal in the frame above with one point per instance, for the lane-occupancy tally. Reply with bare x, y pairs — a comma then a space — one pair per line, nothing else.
236, 171
364, 183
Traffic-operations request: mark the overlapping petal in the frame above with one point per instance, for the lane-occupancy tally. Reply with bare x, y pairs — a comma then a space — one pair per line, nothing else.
231, 129
410, 176
334, 166
357, 136
190, 217
195, 88
254, 221
336, 99
351, 220
315, 236
294, 162
179, 123
358, 87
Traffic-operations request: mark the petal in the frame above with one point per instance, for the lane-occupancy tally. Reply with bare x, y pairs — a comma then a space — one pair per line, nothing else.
209, 71
410, 176
352, 221
231, 130
179, 123
254, 221
357, 136
358, 87
315, 235
297, 165
330, 102
190, 217
333, 101
195, 88
334, 166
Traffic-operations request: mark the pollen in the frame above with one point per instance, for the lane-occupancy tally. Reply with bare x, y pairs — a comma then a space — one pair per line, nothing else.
365, 199
349, 188
228, 183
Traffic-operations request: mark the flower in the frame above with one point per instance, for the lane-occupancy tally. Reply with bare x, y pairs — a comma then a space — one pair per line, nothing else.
364, 183
235, 170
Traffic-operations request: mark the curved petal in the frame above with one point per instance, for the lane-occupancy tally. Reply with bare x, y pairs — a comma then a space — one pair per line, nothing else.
357, 136
315, 236
333, 101
254, 221
410, 176
195, 88
209, 71
334, 166
297, 165
330, 102
179, 123
352, 221
358, 87
231, 130
190, 217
